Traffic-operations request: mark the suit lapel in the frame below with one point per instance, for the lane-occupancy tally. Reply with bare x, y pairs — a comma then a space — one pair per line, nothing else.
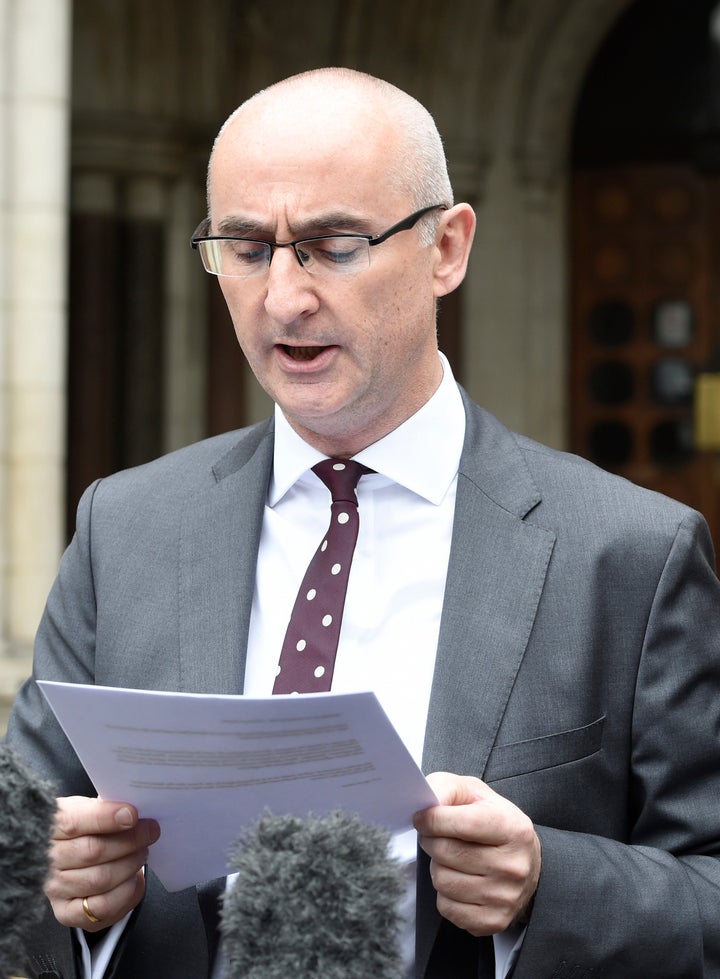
220, 534
498, 563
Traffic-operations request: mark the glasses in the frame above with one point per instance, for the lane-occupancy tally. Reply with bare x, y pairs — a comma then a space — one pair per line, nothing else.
339, 254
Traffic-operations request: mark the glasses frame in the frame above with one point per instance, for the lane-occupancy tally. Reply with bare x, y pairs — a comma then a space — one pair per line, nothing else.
404, 225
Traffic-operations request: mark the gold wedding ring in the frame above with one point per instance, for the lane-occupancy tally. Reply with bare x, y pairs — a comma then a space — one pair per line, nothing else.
88, 913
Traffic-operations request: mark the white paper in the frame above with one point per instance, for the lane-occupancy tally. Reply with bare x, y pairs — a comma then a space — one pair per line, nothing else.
205, 765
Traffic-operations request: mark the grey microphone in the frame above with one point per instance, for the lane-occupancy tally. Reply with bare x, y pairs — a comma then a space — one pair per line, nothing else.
27, 809
315, 898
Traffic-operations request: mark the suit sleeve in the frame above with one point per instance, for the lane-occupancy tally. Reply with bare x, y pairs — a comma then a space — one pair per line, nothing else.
650, 905
165, 935
64, 651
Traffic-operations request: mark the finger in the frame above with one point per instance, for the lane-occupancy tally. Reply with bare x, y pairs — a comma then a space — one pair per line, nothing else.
93, 850
66, 885
485, 889
457, 790
452, 791
482, 821
484, 903
477, 919
108, 907
80, 816
460, 855
480, 905
476, 823
480, 868
95, 877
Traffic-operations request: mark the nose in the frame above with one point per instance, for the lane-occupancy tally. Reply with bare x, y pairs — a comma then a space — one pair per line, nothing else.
290, 291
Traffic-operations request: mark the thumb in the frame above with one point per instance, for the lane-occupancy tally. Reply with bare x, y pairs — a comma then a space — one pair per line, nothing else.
458, 790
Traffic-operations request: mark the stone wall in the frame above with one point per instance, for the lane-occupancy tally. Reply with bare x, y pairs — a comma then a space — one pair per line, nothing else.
144, 94
34, 164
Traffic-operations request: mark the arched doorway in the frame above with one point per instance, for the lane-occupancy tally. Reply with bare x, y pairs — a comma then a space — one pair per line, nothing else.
645, 249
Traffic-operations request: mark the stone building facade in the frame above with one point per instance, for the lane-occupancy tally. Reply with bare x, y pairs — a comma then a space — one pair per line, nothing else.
114, 347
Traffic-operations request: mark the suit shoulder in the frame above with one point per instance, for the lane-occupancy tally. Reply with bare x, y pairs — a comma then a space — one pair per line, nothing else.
186, 470
567, 480
526, 477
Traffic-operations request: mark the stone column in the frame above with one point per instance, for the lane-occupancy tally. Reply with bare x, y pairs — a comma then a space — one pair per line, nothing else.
185, 347
140, 418
34, 116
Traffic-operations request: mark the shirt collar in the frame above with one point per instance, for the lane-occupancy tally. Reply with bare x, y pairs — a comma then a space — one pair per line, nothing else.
422, 454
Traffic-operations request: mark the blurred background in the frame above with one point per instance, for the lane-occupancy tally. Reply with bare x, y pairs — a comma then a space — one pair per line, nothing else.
586, 133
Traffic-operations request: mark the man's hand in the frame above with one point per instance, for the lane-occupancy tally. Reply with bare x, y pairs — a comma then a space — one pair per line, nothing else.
484, 855
97, 852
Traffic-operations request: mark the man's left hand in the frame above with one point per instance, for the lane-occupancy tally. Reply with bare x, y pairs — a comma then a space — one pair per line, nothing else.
485, 855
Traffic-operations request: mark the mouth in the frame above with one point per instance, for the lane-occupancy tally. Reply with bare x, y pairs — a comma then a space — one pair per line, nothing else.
302, 353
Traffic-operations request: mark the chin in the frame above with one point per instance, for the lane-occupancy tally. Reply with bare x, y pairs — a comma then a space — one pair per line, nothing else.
312, 409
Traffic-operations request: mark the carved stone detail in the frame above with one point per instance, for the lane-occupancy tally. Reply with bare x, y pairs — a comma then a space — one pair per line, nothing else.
559, 57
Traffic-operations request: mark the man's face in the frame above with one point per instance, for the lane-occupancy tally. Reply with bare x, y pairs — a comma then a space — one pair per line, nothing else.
349, 357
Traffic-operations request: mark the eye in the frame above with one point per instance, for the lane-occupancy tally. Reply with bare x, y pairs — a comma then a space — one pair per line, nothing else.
239, 251
338, 251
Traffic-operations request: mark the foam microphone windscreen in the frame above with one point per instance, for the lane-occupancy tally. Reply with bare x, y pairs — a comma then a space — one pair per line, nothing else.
314, 897
27, 809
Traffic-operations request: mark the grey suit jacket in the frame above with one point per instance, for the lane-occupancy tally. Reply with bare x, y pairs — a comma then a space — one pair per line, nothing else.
578, 673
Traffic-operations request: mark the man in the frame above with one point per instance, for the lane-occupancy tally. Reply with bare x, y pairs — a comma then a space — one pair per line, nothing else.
544, 635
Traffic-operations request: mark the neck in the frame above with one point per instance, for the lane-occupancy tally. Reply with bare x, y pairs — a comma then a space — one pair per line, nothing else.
333, 437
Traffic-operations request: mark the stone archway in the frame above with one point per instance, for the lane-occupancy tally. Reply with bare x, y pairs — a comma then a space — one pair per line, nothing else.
517, 329
501, 77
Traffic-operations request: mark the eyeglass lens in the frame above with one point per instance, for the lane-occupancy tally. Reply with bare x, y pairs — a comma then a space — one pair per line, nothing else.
242, 257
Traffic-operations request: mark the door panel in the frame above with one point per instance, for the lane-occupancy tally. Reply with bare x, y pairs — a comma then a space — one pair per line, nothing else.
644, 309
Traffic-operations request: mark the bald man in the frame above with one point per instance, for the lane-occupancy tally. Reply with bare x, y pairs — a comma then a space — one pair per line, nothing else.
544, 636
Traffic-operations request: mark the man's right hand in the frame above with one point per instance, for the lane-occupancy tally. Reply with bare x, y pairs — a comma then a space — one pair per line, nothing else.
97, 853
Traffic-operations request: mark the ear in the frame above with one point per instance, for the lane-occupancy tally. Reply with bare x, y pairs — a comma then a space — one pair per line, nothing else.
454, 237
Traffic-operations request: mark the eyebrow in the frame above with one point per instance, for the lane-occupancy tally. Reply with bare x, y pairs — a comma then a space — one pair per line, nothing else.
340, 221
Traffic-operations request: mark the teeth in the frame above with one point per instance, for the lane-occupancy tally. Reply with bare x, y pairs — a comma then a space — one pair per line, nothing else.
303, 353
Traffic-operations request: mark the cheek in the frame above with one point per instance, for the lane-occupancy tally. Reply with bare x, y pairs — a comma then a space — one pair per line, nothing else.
387, 305
412, 288
409, 314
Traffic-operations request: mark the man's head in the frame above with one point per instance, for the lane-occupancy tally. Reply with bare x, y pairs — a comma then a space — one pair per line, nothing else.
419, 169
348, 357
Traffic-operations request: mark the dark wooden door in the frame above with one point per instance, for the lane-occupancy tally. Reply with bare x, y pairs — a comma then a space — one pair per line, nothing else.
645, 310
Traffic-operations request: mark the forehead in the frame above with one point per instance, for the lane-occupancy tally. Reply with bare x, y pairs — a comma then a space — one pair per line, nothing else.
302, 153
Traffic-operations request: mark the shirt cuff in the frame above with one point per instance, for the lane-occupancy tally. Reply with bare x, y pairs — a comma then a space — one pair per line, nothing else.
507, 948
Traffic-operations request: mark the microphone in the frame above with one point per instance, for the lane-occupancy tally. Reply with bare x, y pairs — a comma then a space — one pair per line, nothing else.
27, 809
315, 898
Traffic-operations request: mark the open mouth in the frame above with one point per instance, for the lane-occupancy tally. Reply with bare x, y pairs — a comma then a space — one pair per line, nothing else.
302, 353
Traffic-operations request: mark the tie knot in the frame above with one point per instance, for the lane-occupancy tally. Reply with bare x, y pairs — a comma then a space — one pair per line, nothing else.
341, 476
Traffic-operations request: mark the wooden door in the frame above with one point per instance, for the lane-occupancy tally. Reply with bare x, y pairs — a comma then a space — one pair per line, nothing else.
115, 353
644, 322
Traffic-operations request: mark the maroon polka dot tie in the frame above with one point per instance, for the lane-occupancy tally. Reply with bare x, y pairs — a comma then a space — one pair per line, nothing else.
307, 658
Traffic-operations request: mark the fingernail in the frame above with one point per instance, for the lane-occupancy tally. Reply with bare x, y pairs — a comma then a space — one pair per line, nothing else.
124, 818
